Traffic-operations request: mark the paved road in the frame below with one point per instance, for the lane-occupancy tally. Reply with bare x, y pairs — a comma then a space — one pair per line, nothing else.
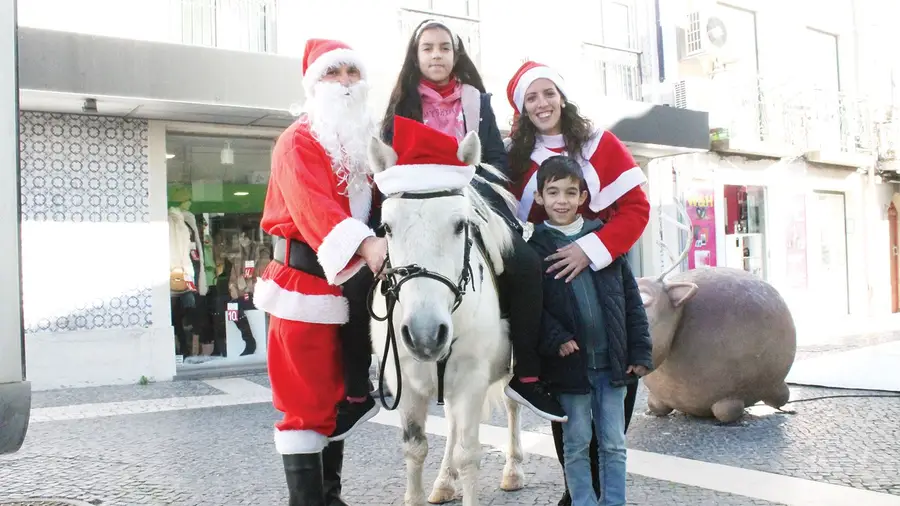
225, 456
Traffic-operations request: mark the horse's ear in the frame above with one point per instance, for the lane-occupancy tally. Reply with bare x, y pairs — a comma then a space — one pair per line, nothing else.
469, 151
381, 156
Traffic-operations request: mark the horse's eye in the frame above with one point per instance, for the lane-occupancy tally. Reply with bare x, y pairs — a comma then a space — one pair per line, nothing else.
460, 226
387, 229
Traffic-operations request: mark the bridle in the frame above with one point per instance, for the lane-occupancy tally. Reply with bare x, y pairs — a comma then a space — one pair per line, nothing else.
391, 279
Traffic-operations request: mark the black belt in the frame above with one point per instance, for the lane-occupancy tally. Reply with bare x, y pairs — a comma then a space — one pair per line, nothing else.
297, 255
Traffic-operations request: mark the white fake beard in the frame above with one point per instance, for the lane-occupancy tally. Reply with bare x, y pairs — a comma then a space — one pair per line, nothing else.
340, 120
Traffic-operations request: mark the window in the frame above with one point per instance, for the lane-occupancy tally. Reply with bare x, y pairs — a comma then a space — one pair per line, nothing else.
243, 25
217, 184
459, 15
830, 117
460, 8
619, 25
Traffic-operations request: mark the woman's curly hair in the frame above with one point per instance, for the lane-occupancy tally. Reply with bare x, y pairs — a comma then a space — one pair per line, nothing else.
576, 130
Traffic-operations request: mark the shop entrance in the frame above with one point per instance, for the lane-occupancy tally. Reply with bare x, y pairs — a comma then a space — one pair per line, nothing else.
216, 189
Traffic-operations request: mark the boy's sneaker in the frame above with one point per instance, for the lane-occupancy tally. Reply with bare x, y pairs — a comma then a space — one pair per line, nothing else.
351, 415
537, 398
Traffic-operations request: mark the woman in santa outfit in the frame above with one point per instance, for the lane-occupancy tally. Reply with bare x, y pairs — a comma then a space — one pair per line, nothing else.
545, 124
439, 86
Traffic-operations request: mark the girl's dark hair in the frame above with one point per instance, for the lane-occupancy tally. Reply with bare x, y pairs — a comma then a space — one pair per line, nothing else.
559, 167
576, 130
405, 100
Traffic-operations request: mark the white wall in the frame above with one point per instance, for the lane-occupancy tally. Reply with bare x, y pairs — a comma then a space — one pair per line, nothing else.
151, 20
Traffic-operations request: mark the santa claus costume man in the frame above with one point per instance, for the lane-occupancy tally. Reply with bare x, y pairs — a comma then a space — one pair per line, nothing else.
318, 207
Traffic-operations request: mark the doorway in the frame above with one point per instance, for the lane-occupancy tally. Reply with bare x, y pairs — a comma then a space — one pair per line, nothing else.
827, 241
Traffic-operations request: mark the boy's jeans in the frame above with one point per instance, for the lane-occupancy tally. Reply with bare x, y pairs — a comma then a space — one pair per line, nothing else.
607, 403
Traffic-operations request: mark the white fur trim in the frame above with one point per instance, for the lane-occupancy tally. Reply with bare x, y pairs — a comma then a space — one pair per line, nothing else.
613, 191
588, 171
299, 307
317, 69
423, 178
339, 247
594, 248
531, 76
293, 442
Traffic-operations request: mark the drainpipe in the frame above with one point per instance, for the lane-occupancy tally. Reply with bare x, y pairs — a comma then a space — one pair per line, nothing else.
660, 52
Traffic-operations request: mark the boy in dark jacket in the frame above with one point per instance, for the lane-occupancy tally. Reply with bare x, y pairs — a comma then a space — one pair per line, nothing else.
595, 338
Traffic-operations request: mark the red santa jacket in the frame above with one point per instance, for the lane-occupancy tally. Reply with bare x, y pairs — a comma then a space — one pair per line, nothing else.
614, 194
307, 202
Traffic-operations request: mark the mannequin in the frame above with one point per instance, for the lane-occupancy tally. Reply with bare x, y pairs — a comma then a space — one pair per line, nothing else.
241, 280
181, 278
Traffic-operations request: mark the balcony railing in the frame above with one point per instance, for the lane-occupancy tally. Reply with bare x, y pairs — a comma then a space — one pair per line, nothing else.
243, 25
617, 72
468, 29
779, 114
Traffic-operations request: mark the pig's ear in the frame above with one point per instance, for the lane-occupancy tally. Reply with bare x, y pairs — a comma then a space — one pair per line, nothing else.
680, 292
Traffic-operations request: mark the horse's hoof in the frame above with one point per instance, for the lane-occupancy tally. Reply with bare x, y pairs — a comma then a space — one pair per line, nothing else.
441, 495
512, 482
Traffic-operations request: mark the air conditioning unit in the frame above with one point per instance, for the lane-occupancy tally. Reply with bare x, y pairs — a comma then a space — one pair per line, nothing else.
704, 38
694, 94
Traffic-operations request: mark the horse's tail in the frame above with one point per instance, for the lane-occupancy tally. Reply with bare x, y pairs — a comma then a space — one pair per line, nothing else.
494, 401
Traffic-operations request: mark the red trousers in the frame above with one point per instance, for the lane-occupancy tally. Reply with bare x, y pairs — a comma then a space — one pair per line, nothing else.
307, 383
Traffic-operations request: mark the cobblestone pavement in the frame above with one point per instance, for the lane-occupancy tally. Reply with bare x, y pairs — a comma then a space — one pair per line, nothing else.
852, 441
225, 456
846, 343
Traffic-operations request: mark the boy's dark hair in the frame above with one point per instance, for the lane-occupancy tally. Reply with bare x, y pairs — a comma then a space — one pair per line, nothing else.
559, 167
405, 100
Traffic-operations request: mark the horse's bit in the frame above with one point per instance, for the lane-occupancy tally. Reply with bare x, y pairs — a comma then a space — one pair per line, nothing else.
392, 278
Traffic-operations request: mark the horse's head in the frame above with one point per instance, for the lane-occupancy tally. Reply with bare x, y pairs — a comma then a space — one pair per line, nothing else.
426, 218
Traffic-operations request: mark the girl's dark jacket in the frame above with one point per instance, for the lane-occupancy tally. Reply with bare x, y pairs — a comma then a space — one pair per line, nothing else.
625, 320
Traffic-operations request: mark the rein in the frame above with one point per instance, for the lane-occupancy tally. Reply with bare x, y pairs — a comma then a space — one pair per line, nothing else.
391, 279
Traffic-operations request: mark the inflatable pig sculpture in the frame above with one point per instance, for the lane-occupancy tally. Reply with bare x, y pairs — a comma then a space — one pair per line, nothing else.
722, 340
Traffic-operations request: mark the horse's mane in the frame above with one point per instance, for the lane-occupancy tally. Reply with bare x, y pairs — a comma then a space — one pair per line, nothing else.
495, 232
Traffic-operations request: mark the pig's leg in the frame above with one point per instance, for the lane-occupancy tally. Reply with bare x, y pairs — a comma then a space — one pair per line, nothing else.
779, 396
728, 410
657, 407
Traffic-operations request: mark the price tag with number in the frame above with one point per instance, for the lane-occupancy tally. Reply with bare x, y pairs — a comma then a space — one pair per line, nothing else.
231, 312
249, 268
191, 286
195, 254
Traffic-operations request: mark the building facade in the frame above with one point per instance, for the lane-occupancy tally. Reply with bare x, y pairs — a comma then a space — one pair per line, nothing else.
157, 120
793, 188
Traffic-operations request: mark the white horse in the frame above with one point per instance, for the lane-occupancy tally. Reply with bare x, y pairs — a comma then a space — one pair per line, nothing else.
454, 302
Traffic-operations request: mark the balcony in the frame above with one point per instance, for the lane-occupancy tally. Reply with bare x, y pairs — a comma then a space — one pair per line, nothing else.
617, 72
781, 119
241, 25
468, 29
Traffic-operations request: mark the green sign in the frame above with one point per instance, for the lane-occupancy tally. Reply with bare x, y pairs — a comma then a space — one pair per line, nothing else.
218, 198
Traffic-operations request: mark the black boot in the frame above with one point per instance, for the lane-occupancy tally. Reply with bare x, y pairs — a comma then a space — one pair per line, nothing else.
304, 479
249, 342
332, 465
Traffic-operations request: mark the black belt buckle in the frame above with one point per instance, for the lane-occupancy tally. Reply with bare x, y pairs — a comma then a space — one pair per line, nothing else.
297, 255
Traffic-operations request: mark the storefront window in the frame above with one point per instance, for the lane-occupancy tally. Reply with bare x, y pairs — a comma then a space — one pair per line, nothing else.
216, 191
745, 244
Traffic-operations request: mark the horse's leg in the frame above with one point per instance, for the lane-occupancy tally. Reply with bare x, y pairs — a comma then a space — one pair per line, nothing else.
467, 410
444, 489
413, 412
513, 476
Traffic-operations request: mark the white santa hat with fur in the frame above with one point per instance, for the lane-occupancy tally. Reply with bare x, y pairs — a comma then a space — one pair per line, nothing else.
320, 55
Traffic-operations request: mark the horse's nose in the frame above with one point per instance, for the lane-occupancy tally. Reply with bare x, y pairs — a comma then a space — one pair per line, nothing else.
425, 339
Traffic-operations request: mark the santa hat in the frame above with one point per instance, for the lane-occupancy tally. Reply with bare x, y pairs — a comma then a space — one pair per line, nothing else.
528, 73
323, 54
427, 160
